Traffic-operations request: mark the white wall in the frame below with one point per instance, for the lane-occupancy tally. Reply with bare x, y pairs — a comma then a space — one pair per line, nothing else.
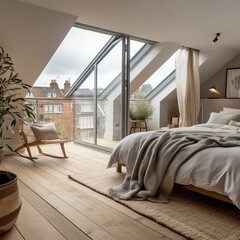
219, 78
163, 103
31, 35
209, 63
153, 59
216, 105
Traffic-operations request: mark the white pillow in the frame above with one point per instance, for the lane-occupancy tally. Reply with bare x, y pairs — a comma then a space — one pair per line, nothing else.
45, 132
231, 110
222, 118
234, 123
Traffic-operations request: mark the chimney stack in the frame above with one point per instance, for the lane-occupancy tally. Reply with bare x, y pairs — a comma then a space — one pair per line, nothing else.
66, 86
53, 83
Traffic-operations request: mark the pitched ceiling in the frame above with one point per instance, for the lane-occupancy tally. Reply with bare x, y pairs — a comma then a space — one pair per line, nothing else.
190, 23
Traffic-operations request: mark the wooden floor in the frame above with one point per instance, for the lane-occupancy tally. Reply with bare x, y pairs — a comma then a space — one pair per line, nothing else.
55, 207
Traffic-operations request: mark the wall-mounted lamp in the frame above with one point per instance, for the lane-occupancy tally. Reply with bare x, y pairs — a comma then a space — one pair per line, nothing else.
214, 90
216, 38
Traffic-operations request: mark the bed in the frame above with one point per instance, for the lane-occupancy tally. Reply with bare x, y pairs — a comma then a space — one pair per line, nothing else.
203, 157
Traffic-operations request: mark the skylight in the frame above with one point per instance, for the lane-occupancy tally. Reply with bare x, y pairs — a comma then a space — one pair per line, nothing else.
156, 78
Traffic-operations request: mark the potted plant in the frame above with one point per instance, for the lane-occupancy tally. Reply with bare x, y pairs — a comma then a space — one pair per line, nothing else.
13, 107
141, 110
10, 201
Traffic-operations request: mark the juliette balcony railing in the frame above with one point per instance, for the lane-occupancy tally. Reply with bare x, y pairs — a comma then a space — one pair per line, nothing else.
74, 118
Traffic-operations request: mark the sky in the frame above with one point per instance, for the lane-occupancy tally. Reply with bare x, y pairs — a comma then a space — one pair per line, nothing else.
73, 55
77, 50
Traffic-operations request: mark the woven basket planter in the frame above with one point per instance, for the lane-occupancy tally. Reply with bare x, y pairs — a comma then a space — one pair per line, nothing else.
10, 201
2, 149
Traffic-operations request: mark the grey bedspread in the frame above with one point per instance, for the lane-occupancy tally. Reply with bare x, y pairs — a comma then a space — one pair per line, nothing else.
152, 162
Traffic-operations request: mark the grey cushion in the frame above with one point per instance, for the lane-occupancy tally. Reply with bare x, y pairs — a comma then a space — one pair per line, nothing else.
222, 118
45, 132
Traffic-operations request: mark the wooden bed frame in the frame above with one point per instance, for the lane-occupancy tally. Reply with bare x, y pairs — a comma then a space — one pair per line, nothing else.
218, 196
192, 188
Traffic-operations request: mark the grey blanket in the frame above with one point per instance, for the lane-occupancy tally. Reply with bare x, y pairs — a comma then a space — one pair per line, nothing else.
151, 174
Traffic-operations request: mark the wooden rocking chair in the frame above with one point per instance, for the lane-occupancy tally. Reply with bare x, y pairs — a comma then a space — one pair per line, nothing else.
36, 135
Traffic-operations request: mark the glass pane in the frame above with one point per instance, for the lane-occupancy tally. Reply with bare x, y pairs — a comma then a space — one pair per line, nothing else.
104, 130
108, 107
109, 68
84, 111
135, 46
74, 54
155, 79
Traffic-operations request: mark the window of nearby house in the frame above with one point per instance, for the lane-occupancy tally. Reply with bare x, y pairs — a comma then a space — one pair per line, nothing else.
86, 122
53, 108
87, 107
51, 94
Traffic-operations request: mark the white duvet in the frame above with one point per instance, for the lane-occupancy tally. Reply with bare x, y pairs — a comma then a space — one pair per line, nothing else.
214, 169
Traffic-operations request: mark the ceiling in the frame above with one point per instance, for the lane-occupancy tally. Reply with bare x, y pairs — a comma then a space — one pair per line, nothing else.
190, 23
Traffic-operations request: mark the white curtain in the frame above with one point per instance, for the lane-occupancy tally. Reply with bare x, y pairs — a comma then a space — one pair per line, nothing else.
188, 86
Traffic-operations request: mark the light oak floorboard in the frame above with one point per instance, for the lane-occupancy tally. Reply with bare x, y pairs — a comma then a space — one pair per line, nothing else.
13, 233
68, 210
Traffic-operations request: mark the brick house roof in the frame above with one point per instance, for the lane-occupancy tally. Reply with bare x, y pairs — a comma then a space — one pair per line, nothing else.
52, 91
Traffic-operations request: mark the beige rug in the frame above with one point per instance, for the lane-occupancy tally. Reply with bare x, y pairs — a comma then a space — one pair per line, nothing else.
191, 215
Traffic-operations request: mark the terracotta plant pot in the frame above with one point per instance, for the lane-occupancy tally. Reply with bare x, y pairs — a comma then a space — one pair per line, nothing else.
10, 201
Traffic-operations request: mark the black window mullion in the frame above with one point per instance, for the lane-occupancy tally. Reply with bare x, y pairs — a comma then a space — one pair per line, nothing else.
95, 103
125, 85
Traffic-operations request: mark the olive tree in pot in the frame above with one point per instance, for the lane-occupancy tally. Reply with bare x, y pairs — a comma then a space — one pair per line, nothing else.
13, 108
141, 110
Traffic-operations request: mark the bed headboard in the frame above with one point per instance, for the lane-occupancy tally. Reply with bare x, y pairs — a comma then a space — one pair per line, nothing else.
215, 105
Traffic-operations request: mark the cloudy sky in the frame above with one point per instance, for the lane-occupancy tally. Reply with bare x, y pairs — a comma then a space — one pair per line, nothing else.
76, 51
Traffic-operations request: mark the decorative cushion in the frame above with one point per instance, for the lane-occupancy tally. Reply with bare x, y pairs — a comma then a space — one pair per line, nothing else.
234, 123
231, 110
222, 118
45, 132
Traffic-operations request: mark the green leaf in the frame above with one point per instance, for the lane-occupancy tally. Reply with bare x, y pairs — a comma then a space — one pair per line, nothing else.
12, 105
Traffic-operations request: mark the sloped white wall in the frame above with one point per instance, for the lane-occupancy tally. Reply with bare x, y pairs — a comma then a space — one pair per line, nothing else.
209, 63
31, 35
219, 78
158, 54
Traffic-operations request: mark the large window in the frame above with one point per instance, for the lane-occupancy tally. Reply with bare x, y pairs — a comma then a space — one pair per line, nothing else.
94, 67
99, 88
76, 51
155, 79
